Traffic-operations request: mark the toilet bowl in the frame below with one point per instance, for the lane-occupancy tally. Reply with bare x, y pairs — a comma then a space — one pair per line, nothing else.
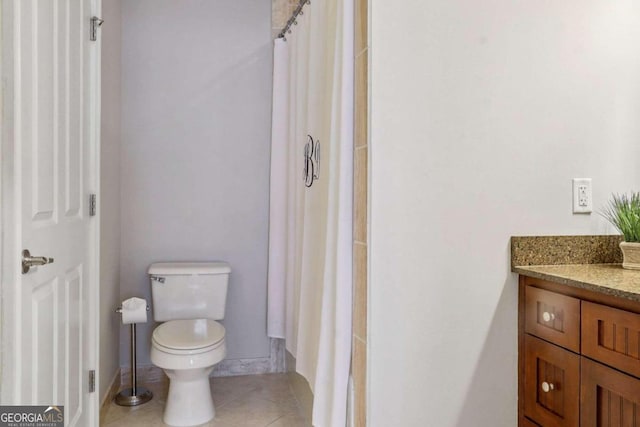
188, 297
187, 351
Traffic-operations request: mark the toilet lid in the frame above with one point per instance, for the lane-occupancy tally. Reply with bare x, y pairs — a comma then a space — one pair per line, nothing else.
189, 334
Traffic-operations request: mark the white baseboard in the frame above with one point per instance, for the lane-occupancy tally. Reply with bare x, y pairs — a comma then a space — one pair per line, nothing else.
114, 387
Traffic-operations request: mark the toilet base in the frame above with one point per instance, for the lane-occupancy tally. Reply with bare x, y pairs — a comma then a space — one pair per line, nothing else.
189, 402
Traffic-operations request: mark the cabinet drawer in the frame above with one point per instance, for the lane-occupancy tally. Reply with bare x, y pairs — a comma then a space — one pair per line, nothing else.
553, 317
609, 398
551, 384
611, 336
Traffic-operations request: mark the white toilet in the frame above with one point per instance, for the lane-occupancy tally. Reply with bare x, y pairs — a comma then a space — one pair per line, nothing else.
188, 297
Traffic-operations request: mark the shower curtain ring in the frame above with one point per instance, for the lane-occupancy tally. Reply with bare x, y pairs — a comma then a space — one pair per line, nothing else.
295, 22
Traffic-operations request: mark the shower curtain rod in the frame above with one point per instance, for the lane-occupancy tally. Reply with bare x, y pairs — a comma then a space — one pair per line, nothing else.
293, 19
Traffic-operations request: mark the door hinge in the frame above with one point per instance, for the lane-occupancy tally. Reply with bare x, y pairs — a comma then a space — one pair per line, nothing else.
92, 204
92, 381
93, 28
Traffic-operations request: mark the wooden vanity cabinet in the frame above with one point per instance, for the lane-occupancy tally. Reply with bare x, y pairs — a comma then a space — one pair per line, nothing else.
609, 397
553, 317
528, 423
611, 336
552, 384
579, 357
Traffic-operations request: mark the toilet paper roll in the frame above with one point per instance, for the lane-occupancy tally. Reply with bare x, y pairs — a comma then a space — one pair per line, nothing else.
134, 310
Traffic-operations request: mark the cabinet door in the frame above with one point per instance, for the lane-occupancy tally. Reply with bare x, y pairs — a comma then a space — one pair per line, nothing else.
609, 397
611, 336
551, 384
553, 317
528, 423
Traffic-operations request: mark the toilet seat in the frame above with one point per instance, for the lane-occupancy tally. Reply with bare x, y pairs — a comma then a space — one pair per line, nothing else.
190, 336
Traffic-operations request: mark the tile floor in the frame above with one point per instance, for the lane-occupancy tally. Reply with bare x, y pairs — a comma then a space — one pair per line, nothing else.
244, 401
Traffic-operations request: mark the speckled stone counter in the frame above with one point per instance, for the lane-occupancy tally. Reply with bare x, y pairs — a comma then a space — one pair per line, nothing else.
610, 279
587, 262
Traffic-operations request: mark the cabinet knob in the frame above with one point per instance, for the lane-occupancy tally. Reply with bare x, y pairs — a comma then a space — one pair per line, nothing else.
548, 317
547, 387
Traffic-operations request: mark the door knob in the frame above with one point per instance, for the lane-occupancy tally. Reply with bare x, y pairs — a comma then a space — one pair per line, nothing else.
547, 387
29, 261
548, 317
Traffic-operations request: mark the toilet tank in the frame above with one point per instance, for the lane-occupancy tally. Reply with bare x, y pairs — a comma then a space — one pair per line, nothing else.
189, 290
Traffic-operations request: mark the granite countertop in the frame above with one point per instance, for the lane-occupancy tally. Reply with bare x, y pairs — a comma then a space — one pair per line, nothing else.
610, 279
587, 262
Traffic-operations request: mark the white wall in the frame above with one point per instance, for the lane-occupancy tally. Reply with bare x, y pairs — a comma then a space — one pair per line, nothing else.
195, 155
482, 112
110, 194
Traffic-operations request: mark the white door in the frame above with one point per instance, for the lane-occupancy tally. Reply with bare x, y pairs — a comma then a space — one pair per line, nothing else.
49, 162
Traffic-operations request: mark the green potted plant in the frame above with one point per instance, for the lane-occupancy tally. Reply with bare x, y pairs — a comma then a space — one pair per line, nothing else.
623, 211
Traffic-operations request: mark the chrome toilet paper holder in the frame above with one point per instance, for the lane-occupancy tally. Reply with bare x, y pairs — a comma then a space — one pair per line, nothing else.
135, 395
119, 309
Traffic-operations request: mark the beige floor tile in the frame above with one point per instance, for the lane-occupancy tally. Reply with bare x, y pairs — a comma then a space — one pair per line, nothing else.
290, 420
250, 411
227, 389
217, 423
147, 415
273, 387
243, 401
117, 413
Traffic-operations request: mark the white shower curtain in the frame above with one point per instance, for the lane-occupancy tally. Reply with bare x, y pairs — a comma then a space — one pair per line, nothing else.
310, 247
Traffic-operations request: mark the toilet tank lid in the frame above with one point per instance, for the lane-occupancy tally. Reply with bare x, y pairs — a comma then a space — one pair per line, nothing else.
189, 268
